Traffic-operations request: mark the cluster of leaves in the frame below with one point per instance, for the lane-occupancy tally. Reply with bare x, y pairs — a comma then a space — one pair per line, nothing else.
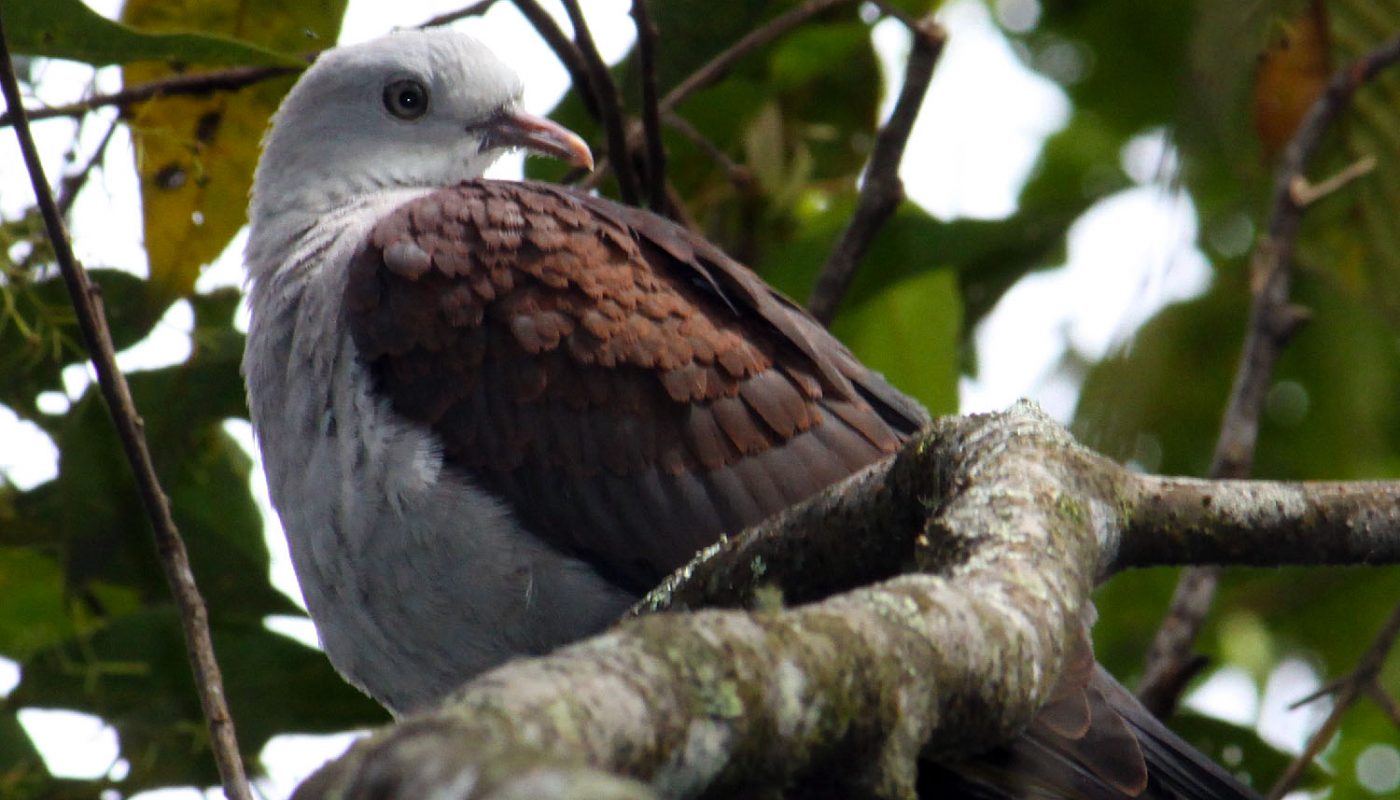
86, 613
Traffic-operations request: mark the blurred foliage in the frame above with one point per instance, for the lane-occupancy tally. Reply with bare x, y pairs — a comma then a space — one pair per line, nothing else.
85, 609
69, 29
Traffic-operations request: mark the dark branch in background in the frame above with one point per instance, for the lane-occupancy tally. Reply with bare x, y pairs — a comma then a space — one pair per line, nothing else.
70, 185
651, 110
473, 10
1345, 692
202, 83
719, 66
565, 50
174, 559
738, 174
609, 104
1272, 322
881, 191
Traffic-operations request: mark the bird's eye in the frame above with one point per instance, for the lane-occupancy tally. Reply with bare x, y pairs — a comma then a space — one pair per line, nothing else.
406, 99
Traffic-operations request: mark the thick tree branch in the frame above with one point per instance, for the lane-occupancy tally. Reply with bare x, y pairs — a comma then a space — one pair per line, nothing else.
1273, 320
1258, 523
1005, 522
174, 559
882, 191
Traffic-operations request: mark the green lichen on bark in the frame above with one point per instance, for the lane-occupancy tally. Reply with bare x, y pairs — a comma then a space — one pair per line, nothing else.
1006, 522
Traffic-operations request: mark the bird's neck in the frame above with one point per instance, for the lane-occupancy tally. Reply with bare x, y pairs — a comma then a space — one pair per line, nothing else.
282, 235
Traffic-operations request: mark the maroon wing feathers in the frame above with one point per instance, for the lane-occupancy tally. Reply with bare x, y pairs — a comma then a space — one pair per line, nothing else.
621, 383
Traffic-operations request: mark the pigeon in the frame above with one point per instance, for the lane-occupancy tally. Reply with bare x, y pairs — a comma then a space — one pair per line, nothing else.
492, 414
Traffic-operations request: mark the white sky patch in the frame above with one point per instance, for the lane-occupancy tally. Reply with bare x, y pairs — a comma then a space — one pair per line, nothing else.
280, 573
72, 744
28, 456
982, 123
1288, 728
1228, 694
298, 629
181, 793
1130, 255
167, 344
291, 758
9, 676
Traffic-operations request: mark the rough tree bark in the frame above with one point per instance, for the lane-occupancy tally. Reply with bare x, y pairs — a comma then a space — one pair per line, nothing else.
1001, 524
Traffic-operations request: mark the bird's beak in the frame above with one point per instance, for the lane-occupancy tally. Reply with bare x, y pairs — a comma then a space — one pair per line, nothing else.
539, 135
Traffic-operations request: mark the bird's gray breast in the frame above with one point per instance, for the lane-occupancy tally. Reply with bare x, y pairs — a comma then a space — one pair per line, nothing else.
415, 578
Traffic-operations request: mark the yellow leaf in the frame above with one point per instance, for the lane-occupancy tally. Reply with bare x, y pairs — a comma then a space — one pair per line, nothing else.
195, 154
1291, 75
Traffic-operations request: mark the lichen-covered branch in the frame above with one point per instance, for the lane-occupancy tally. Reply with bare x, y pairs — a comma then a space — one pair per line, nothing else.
1260, 523
1002, 522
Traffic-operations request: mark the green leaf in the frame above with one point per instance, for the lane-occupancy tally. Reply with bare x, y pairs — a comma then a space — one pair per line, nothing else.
34, 615
39, 333
69, 29
909, 332
133, 672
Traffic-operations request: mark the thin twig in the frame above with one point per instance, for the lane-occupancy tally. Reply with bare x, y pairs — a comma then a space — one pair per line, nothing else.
70, 185
1345, 693
651, 109
474, 10
565, 50
882, 191
201, 83
719, 66
609, 104
174, 559
1273, 320
738, 174
1385, 701
1306, 193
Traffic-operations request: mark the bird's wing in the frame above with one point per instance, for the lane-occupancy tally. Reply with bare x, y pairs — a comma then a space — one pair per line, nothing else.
1092, 741
630, 391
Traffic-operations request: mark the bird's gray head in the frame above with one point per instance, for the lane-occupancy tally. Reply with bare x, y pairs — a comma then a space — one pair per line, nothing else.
411, 109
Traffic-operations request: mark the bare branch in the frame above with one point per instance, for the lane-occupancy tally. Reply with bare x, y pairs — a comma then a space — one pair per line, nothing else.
1258, 523
200, 83
70, 185
738, 174
609, 104
174, 558
882, 191
1345, 692
565, 49
474, 10
1306, 193
1273, 320
719, 66
651, 109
